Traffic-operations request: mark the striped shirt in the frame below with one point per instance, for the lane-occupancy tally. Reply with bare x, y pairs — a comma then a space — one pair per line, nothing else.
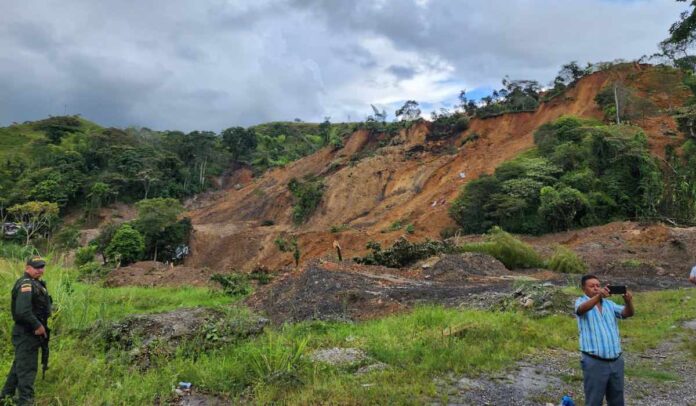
599, 332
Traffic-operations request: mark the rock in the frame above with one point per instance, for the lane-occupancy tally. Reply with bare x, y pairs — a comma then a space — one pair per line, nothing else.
528, 302
139, 335
378, 366
660, 271
338, 356
691, 324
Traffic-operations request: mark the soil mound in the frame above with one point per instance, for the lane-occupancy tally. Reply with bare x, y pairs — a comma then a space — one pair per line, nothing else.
145, 336
345, 291
152, 273
462, 266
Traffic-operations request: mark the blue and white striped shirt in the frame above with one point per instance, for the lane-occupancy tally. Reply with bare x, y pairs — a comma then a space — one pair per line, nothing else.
599, 332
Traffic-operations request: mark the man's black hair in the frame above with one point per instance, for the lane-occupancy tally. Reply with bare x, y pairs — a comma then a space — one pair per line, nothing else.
586, 278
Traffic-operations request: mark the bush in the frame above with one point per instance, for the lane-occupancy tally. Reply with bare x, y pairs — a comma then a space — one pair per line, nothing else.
85, 255
512, 252
67, 238
338, 228
566, 261
403, 252
449, 231
235, 284
126, 247
91, 270
307, 196
447, 125
410, 229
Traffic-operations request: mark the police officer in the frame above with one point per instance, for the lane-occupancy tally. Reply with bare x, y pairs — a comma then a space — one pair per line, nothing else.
31, 307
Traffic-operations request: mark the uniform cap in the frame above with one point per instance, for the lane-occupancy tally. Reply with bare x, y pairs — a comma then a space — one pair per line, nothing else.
36, 262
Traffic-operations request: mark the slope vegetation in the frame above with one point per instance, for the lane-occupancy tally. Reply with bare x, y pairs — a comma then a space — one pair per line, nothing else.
377, 188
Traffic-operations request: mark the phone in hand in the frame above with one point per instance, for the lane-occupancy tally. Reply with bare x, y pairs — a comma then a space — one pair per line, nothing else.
617, 289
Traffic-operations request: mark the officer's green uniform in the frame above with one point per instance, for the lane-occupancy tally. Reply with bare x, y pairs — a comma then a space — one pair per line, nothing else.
31, 307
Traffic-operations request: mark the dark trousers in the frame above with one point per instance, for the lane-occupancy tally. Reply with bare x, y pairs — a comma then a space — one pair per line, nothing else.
602, 378
23, 373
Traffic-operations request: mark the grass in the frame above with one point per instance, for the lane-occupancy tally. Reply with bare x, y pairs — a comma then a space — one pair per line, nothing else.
274, 367
511, 251
566, 261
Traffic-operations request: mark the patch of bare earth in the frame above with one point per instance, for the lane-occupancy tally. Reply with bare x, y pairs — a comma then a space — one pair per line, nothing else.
152, 273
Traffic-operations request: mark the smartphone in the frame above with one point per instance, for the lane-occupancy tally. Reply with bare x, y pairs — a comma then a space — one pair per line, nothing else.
617, 289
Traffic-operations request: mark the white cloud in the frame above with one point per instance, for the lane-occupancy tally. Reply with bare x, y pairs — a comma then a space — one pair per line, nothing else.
213, 64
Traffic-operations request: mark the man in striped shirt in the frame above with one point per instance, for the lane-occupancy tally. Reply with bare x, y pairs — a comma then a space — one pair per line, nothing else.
602, 363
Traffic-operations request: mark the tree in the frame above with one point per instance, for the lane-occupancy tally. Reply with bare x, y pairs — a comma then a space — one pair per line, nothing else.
34, 217
126, 247
99, 194
239, 141
681, 33
154, 215
409, 111
104, 239
561, 206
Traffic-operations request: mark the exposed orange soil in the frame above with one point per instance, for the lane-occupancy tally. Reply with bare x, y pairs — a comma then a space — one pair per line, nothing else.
371, 194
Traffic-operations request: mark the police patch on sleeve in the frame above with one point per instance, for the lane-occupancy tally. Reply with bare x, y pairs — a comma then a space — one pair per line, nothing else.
25, 288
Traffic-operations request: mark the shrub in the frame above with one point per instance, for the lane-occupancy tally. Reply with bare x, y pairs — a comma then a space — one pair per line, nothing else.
410, 229
447, 125
91, 270
307, 196
566, 261
126, 247
261, 275
235, 284
83, 255
449, 231
512, 252
403, 252
338, 228
67, 238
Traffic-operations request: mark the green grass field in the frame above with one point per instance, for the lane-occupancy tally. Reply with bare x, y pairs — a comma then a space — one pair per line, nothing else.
274, 366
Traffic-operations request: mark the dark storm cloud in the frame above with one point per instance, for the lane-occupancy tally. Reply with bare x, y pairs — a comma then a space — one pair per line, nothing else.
213, 64
402, 72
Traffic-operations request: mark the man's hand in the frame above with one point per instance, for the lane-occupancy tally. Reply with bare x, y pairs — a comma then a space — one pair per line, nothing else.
628, 296
604, 293
41, 331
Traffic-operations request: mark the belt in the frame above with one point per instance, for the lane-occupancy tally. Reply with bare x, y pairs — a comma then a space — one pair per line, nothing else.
597, 357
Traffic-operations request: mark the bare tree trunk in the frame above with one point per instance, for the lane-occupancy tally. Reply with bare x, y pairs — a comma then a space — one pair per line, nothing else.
155, 258
616, 103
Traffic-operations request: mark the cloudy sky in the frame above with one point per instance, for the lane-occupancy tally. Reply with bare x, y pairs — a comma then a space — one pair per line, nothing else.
213, 64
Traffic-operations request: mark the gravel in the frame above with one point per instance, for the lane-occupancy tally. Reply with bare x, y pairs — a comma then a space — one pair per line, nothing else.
661, 376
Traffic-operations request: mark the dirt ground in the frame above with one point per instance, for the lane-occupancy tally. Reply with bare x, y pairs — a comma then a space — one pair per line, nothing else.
151, 273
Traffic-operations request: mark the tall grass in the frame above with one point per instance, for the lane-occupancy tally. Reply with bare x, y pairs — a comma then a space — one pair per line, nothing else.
566, 261
512, 252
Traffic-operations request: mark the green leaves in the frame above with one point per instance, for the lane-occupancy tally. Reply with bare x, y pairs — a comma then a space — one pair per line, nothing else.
583, 173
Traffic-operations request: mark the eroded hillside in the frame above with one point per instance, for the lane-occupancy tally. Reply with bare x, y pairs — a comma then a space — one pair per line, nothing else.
375, 186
